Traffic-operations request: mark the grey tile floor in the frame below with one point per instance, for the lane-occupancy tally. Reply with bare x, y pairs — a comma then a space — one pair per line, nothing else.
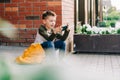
90, 66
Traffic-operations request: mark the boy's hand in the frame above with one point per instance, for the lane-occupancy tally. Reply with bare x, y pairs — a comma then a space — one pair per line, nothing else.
57, 30
67, 27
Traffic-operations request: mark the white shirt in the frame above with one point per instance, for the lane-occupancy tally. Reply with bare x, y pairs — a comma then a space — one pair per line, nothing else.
39, 38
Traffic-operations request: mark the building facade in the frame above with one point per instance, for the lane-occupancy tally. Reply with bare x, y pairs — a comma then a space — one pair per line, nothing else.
26, 16
89, 11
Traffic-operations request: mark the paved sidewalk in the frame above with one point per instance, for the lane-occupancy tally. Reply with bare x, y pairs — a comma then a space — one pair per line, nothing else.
83, 66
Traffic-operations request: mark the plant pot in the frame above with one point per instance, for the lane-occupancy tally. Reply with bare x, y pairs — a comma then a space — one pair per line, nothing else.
97, 43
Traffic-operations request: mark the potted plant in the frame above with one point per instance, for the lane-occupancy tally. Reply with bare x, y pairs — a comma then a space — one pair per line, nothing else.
102, 24
97, 39
113, 24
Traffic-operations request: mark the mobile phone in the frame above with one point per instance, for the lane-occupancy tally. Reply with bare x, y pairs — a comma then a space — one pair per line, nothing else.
64, 28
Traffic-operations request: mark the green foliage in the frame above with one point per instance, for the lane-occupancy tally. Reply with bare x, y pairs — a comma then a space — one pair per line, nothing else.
83, 29
102, 24
112, 24
107, 24
97, 30
118, 31
78, 29
47, 73
112, 14
4, 71
111, 9
89, 32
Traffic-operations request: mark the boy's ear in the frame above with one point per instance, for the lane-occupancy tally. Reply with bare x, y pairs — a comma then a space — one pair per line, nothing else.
44, 21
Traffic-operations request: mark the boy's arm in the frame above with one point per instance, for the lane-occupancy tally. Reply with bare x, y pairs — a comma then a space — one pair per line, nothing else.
43, 33
64, 36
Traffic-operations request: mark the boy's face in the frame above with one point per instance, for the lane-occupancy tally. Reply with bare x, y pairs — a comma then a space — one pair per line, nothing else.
50, 22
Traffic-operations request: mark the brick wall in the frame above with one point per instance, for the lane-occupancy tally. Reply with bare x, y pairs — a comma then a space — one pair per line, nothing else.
68, 17
26, 16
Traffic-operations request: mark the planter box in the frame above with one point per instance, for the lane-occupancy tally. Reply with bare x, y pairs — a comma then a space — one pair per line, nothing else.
97, 43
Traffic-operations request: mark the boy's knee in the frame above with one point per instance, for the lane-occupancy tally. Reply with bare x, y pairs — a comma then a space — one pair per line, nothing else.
50, 44
63, 43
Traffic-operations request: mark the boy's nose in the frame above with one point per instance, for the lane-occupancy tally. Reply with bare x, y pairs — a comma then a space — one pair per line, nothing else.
53, 23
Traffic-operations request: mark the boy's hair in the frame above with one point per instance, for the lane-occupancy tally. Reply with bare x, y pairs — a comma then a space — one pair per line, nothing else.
48, 13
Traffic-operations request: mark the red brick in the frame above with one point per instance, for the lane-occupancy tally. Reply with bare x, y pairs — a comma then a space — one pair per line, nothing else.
53, 3
21, 1
36, 9
22, 9
59, 22
29, 26
30, 0
15, 1
37, 22
30, 40
29, 9
51, 8
14, 21
22, 31
14, 9
25, 4
20, 26
42, 8
21, 17
17, 17
36, 4
2, 14
1, 36
7, 17
11, 13
11, 9
1, 9
20, 40
26, 36
37, 13
25, 13
8, 9
58, 12
31, 31
12, 44
34, 36
17, 40
26, 44
58, 8
59, 17
16, 25
36, 26
1, 5
42, 3
26, 22
11, 5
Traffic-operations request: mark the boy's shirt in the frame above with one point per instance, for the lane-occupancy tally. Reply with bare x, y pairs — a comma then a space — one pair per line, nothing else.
43, 35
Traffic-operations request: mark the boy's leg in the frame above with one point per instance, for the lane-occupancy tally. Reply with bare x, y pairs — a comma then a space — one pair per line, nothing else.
48, 45
49, 48
61, 46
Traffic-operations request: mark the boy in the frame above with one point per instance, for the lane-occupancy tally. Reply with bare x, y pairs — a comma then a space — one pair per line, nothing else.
49, 36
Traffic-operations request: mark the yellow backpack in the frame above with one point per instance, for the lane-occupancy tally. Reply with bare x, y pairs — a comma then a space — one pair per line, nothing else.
32, 55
